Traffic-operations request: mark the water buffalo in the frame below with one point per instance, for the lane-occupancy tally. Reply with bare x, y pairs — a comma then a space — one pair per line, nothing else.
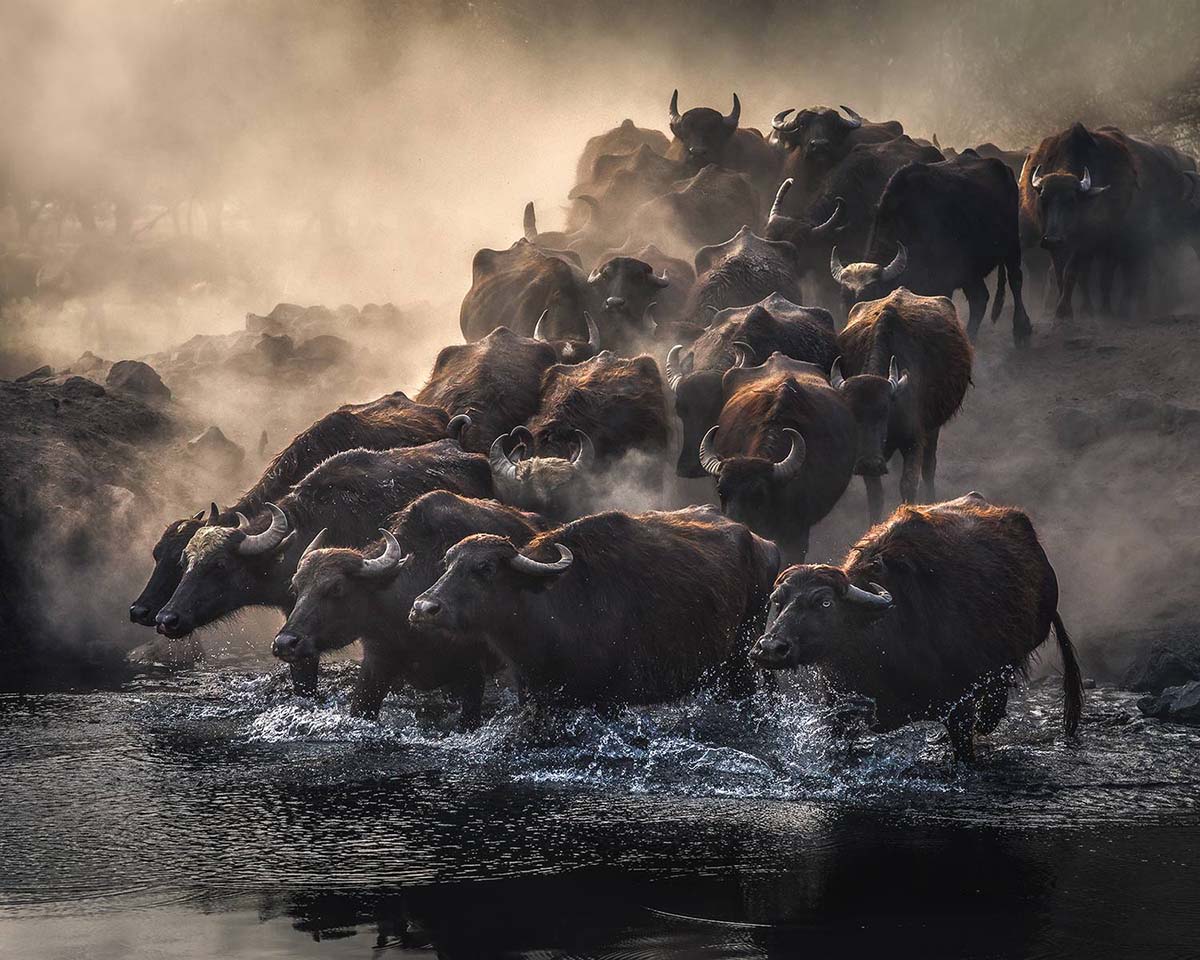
667, 305
626, 287
391, 421
1076, 191
932, 615
740, 336
704, 136
782, 450
496, 381
350, 495
514, 287
613, 608
619, 407
904, 370
578, 244
741, 271
348, 593
706, 208
817, 139
619, 185
944, 226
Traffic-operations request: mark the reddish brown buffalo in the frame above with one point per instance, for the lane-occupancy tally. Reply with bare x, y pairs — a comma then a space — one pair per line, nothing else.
931, 615
904, 370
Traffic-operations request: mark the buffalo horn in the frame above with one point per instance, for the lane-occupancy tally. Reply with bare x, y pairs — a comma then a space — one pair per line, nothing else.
658, 281
897, 381
731, 119
539, 332
836, 380
880, 598
708, 456
780, 121
501, 466
593, 331
585, 454
743, 353
213, 513
823, 228
1035, 178
386, 562
594, 276
855, 120
777, 206
789, 467
253, 544
459, 424
674, 370
530, 223
1085, 184
674, 114
525, 565
897, 266
835, 266
316, 543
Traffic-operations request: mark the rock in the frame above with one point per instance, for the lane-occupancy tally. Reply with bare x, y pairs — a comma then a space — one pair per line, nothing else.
1075, 428
216, 451
323, 351
89, 363
41, 373
1169, 659
76, 388
1175, 704
134, 376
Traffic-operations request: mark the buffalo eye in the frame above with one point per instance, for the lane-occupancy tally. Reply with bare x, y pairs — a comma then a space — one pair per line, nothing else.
826, 602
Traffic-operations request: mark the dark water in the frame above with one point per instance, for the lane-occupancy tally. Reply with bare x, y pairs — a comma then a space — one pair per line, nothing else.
212, 815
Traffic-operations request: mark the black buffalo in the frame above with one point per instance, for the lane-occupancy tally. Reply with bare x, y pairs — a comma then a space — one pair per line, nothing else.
932, 615
782, 450
741, 271
817, 139
904, 370
942, 227
740, 336
610, 609
626, 287
391, 421
345, 594
704, 136
706, 208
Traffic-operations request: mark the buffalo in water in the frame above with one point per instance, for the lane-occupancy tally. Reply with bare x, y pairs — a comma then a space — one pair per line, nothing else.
904, 370
610, 609
932, 615
739, 336
391, 421
946, 226
351, 495
345, 594
782, 450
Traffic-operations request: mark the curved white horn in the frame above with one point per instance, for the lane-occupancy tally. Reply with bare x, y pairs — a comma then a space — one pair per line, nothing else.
708, 455
501, 466
835, 266
789, 467
539, 569
777, 206
836, 380
387, 561
256, 543
539, 332
897, 266
880, 598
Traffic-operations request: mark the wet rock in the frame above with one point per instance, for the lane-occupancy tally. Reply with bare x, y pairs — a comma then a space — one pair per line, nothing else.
133, 376
1175, 704
41, 373
1075, 428
1168, 659
216, 451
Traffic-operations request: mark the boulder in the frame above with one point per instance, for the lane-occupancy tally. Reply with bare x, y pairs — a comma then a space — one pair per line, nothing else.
41, 373
216, 451
1175, 704
1168, 658
133, 376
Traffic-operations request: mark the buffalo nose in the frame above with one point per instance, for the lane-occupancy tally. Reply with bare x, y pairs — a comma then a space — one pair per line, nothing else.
139, 613
284, 645
1050, 242
768, 648
167, 622
614, 303
423, 609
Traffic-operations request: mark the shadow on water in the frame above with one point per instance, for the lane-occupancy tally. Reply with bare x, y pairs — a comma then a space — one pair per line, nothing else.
212, 815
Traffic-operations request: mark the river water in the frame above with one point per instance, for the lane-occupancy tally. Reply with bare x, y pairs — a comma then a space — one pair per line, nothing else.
210, 814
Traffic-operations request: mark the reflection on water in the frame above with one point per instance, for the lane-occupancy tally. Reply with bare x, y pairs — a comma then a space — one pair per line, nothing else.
213, 815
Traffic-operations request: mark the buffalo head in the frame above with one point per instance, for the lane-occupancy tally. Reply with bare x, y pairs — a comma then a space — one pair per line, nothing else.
867, 281
813, 609
751, 488
872, 400
702, 131
1060, 201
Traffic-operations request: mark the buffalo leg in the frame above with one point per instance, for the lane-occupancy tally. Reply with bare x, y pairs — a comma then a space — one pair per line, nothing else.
991, 705
1066, 287
874, 487
911, 472
370, 690
976, 293
929, 467
1022, 328
960, 724
470, 698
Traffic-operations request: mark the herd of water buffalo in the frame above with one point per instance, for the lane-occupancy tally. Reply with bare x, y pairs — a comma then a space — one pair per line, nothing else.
456, 534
